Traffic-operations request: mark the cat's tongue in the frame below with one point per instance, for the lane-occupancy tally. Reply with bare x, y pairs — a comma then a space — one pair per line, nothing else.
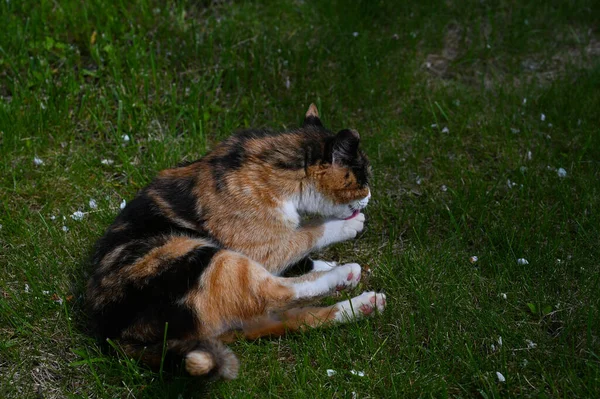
353, 214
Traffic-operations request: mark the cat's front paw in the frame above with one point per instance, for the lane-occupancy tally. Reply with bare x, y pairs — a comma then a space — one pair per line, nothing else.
341, 230
353, 226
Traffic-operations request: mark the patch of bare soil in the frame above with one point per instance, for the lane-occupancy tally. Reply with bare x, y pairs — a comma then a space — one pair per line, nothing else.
540, 68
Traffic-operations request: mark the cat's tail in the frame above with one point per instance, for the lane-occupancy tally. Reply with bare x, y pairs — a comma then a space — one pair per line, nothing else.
202, 357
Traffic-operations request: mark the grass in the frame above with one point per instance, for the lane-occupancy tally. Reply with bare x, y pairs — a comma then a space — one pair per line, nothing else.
448, 97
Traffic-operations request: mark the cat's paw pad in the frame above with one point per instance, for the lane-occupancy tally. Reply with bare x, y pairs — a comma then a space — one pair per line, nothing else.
360, 306
347, 276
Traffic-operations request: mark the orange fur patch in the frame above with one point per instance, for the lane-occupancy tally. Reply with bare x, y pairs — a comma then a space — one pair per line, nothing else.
174, 248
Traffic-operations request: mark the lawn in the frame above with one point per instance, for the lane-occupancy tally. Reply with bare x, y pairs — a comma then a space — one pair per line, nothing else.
481, 120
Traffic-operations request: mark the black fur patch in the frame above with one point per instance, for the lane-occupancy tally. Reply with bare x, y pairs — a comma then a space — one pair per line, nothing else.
154, 299
227, 163
283, 159
179, 194
360, 168
312, 120
299, 268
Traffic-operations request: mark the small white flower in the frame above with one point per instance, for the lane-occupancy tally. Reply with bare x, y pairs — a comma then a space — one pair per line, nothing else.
445, 130
122, 205
38, 161
45, 292
510, 184
107, 162
561, 172
524, 101
358, 373
27, 288
444, 188
331, 373
500, 377
530, 344
522, 261
125, 138
78, 215
355, 34
529, 155
473, 259
52, 217
65, 229
418, 180
93, 204
503, 295
542, 117
500, 341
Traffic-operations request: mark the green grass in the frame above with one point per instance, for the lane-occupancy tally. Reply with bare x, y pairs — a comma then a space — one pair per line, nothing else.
177, 78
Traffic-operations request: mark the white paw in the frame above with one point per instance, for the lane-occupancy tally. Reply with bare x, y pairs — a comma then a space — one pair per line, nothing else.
346, 276
360, 306
353, 226
339, 278
341, 230
323, 266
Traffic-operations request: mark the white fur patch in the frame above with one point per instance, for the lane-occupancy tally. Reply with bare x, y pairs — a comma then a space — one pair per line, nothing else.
361, 204
323, 266
290, 214
309, 200
360, 306
341, 230
199, 363
342, 276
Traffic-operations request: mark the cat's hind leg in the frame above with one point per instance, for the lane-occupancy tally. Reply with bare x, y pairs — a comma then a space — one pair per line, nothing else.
300, 319
234, 290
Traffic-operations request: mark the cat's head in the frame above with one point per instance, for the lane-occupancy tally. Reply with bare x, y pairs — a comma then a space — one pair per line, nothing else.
338, 184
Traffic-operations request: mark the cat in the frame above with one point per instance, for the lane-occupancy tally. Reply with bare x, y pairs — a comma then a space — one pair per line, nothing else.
197, 258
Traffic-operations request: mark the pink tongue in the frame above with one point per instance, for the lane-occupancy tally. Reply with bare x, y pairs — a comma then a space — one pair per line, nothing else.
353, 214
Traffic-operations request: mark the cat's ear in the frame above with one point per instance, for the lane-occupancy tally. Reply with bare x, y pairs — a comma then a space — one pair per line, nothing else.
312, 116
344, 147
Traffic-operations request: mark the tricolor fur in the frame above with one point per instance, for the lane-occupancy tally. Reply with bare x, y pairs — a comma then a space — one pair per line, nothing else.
200, 252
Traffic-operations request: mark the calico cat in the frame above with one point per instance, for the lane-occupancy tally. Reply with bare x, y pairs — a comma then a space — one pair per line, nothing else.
197, 258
